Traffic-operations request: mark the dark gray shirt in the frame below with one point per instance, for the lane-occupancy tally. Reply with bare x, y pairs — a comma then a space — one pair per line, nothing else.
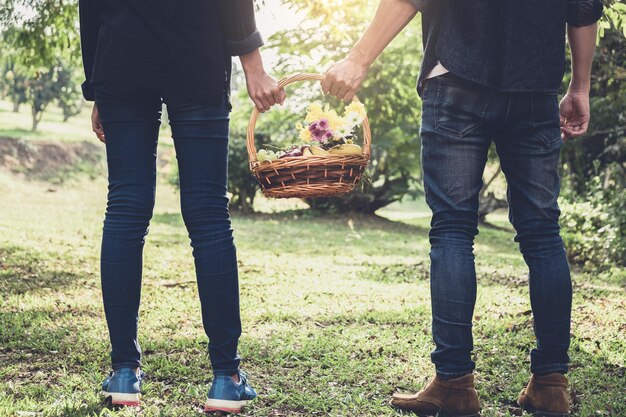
508, 45
184, 47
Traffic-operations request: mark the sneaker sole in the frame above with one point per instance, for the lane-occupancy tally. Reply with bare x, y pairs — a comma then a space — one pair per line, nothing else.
121, 399
224, 405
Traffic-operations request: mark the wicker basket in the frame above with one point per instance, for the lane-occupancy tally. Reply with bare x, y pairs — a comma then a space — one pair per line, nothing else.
310, 176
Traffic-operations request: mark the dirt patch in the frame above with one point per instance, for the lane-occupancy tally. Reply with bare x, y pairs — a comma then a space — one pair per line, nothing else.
51, 160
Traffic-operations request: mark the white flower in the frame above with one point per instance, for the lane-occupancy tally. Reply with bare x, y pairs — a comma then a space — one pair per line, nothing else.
354, 119
343, 131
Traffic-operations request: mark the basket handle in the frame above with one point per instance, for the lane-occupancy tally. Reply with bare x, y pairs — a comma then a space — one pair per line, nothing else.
367, 134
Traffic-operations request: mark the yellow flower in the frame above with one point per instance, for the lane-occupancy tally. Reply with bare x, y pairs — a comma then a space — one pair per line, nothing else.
314, 113
305, 135
299, 126
356, 107
335, 122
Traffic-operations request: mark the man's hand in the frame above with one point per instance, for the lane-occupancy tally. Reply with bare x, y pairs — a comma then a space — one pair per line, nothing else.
262, 88
344, 78
96, 124
575, 115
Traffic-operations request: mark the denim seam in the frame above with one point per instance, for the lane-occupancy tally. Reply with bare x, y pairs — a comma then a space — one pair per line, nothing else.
548, 142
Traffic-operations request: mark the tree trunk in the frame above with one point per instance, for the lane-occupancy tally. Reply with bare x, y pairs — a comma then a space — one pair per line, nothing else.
488, 202
16, 106
36, 118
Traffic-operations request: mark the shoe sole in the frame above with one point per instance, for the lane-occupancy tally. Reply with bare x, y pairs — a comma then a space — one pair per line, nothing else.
224, 405
124, 400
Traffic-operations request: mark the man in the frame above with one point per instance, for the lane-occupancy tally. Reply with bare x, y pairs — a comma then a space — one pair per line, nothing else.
491, 72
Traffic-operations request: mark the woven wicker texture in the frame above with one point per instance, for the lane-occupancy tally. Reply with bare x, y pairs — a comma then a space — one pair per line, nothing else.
311, 176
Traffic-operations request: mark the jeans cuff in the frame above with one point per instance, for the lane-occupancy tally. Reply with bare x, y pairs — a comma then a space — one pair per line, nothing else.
121, 365
227, 372
451, 375
547, 369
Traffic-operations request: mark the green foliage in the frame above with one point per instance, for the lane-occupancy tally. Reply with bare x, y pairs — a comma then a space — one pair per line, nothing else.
41, 31
241, 183
69, 96
594, 226
614, 17
605, 144
13, 86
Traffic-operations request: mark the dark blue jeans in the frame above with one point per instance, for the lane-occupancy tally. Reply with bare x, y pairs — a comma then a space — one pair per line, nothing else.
459, 122
131, 121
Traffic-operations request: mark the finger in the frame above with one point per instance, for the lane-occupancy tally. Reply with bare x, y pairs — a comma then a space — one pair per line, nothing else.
567, 133
276, 96
267, 100
562, 120
257, 104
349, 95
336, 88
261, 103
327, 82
283, 96
343, 91
579, 131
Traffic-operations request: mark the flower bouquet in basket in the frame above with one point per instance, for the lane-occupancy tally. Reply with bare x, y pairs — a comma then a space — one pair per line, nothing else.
324, 133
325, 160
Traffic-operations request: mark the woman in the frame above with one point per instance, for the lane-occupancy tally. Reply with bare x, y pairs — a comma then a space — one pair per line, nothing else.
137, 55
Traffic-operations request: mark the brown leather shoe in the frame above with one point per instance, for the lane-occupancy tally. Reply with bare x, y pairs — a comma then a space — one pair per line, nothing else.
444, 398
546, 396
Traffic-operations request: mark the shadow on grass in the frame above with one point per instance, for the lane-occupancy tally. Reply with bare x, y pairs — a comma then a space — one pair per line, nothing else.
359, 220
24, 270
170, 219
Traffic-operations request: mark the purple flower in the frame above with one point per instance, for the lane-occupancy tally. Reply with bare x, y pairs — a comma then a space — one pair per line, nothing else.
323, 123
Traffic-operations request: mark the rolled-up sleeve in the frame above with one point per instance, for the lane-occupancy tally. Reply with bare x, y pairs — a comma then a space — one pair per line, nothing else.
420, 4
239, 26
583, 12
89, 31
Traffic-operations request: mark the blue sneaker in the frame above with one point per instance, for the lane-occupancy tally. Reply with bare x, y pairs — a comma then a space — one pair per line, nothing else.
123, 387
229, 396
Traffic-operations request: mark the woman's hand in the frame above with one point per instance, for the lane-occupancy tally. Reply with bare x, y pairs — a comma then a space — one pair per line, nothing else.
344, 78
262, 88
96, 123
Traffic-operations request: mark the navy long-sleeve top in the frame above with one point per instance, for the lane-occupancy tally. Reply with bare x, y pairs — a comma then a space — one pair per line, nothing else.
508, 45
183, 47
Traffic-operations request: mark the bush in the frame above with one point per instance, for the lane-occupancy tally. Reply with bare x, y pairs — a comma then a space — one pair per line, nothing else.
594, 227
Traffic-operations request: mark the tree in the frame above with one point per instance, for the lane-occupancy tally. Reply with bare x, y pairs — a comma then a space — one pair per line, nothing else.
69, 95
13, 86
40, 42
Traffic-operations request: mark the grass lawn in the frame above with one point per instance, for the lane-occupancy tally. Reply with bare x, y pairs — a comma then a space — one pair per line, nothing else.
336, 312
77, 128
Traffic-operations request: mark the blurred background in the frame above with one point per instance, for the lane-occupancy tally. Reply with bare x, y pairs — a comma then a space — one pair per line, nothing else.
52, 196
41, 105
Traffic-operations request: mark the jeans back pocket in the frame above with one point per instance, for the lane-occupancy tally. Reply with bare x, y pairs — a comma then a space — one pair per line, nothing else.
460, 105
